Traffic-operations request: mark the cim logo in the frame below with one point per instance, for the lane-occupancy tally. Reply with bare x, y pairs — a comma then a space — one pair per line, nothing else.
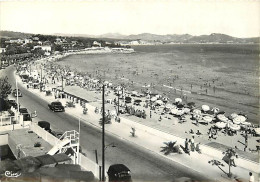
12, 174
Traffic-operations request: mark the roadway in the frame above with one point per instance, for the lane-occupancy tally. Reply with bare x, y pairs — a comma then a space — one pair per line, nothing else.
145, 165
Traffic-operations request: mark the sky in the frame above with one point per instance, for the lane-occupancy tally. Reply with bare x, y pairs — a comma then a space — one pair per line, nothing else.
238, 18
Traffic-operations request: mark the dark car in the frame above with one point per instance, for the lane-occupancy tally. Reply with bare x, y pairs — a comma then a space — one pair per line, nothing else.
12, 103
56, 106
45, 125
15, 93
119, 172
26, 115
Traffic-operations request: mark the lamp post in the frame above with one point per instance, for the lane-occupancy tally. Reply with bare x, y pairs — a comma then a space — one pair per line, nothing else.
62, 83
103, 134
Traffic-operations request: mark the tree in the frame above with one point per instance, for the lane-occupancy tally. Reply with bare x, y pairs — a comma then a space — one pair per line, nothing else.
5, 87
170, 148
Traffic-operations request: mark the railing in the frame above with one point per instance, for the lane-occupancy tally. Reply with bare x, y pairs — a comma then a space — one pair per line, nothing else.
6, 120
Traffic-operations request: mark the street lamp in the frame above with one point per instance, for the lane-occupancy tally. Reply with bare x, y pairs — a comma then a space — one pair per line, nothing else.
103, 134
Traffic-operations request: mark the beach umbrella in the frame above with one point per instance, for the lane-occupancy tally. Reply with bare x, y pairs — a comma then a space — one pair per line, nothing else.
174, 111
134, 92
180, 112
233, 115
246, 123
221, 124
169, 106
202, 121
239, 119
207, 118
159, 102
153, 99
196, 111
257, 130
205, 108
222, 117
109, 84
234, 127
186, 110
106, 82
178, 100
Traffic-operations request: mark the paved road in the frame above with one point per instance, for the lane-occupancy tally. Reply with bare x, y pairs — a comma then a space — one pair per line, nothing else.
145, 165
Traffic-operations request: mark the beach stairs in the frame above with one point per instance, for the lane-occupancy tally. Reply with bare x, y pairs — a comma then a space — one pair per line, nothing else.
68, 143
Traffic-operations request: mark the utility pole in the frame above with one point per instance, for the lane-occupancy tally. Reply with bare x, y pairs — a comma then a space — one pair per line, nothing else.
62, 83
103, 134
118, 103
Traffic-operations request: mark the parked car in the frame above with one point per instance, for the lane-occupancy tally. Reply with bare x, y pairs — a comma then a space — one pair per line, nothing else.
15, 93
56, 133
25, 113
12, 103
56, 106
44, 124
119, 172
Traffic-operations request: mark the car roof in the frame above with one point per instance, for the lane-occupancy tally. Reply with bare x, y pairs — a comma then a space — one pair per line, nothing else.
56, 102
118, 168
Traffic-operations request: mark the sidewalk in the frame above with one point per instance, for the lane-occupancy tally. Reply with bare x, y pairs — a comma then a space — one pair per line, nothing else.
152, 140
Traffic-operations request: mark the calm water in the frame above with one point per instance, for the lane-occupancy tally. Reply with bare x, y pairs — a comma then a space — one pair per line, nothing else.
232, 70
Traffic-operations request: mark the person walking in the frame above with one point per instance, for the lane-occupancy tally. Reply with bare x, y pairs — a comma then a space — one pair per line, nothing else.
192, 144
251, 177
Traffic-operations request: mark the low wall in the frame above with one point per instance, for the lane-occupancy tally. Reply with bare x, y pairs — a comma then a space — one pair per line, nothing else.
44, 134
89, 165
4, 139
10, 127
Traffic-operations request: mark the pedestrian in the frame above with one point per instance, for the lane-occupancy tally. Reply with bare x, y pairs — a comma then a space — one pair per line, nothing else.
198, 148
150, 114
251, 177
186, 145
192, 144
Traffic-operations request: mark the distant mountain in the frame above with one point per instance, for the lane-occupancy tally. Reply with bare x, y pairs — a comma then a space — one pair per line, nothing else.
169, 38
16, 35
184, 38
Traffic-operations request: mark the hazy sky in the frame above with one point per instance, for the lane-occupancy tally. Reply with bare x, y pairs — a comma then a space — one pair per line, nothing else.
240, 18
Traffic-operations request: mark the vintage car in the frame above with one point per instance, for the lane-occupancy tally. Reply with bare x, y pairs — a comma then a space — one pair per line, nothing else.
56, 106
15, 93
119, 172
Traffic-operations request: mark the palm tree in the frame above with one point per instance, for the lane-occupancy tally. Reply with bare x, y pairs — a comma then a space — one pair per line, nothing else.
170, 148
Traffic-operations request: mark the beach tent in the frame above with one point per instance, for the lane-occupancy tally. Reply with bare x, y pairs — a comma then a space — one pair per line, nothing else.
178, 100
205, 108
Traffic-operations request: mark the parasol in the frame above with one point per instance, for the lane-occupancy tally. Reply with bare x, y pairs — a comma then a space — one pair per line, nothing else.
222, 117
239, 119
178, 100
153, 99
207, 118
234, 127
221, 124
205, 108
